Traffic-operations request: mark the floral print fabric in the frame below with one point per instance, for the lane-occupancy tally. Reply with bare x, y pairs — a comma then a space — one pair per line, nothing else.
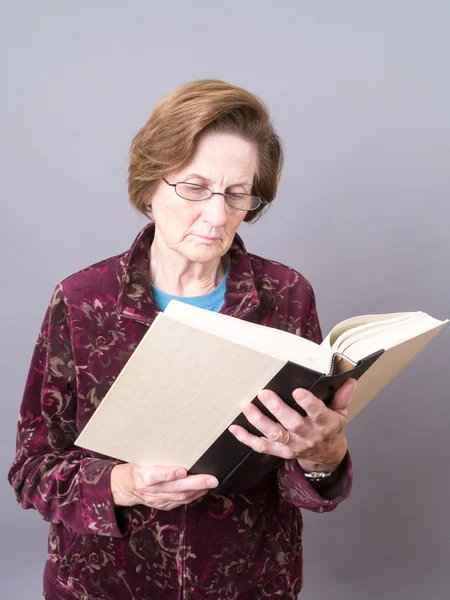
236, 547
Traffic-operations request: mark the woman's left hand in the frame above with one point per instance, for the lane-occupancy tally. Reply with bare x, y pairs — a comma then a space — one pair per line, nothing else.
317, 441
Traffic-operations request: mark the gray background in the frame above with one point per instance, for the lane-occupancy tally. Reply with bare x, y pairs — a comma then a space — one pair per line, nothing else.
360, 93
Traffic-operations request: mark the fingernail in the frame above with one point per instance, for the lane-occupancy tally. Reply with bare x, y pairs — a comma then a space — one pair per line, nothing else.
212, 482
180, 473
300, 394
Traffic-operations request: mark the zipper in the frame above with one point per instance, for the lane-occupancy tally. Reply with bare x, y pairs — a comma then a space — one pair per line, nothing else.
137, 318
182, 566
245, 312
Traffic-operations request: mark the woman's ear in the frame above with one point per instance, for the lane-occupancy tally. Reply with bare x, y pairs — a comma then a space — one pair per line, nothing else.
148, 207
148, 201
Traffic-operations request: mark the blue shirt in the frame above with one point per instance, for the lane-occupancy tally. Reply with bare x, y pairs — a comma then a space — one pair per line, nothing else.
213, 300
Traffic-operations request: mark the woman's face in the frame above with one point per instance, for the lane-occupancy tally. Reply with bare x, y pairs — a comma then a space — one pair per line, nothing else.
203, 231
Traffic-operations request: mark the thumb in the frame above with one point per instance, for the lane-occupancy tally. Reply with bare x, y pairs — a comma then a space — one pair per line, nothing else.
153, 475
342, 397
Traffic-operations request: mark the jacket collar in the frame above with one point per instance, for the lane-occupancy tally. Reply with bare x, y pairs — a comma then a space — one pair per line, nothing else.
135, 298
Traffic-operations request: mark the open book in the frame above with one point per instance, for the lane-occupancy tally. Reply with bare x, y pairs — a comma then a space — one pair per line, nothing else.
189, 377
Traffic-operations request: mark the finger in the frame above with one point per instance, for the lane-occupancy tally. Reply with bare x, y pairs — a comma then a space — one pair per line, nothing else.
260, 444
271, 430
313, 406
154, 475
170, 501
342, 398
288, 417
191, 483
173, 498
196, 496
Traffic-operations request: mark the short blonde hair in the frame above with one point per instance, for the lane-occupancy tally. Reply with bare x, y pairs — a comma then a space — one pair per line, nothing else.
166, 143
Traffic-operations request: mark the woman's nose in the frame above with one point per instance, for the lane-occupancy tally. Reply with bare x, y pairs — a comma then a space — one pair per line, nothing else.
216, 210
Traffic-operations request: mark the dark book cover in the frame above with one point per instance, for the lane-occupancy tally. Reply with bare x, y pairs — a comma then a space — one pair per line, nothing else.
238, 467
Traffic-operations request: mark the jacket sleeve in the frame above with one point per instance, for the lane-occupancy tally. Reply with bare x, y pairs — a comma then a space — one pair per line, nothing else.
62, 482
293, 485
296, 489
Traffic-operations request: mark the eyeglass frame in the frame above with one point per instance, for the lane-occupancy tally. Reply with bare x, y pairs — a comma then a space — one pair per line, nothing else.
174, 185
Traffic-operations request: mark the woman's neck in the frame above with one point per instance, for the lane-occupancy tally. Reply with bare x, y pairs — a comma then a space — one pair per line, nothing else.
174, 274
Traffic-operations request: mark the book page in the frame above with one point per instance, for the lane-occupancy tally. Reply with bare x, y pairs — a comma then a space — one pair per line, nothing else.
387, 335
388, 366
346, 327
280, 344
177, 393
356, 332
401, 335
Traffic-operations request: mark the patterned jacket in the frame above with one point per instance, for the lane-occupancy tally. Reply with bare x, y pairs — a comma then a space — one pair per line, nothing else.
241, 546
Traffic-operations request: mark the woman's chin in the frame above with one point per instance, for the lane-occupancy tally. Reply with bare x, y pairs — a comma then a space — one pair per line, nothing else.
205, 250
205, 253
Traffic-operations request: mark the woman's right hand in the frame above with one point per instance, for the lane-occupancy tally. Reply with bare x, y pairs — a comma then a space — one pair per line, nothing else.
163, 488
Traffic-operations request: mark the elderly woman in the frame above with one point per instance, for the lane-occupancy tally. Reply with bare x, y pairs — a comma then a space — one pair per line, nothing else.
207, 159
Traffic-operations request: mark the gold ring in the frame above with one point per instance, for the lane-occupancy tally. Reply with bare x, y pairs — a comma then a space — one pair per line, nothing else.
287, 439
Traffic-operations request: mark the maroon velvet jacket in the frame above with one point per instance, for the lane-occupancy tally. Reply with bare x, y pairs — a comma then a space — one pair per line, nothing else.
241, 546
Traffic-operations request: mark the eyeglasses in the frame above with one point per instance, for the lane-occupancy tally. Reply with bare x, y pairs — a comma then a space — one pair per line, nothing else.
197, 193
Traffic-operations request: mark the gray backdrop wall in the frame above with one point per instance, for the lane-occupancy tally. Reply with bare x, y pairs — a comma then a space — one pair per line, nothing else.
360, 93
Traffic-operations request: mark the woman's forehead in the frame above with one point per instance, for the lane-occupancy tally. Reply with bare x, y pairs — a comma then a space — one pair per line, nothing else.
222, 156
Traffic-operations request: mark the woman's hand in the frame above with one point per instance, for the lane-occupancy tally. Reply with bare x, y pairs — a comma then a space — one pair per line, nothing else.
317, 441
163, 488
